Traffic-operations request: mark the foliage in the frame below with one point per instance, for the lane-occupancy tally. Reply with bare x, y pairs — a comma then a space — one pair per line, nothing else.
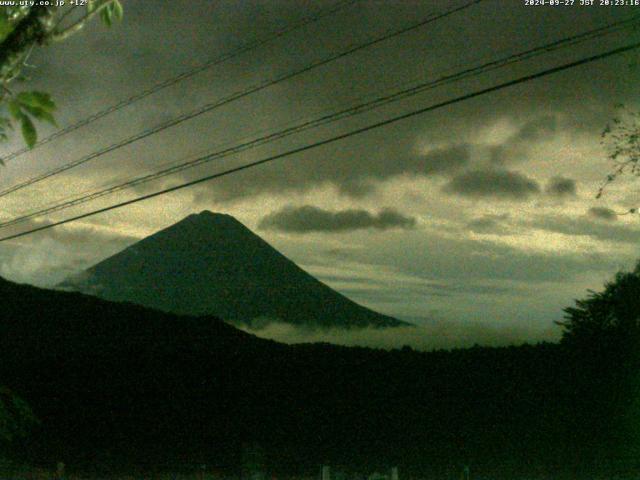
16, 418
606, 328
606, 316
111, 11
139, 387
23, 108
621, 138
21, 29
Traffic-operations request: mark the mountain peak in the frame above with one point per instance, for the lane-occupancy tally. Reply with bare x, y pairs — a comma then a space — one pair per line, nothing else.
211, 264
209, 216
198, 230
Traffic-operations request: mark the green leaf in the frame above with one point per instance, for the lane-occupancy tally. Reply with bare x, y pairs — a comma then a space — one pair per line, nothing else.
111, 11
15, 110
28, 131
47, 117
37, 100
105, 15
37, 104
118, 11
5, 26
41, 114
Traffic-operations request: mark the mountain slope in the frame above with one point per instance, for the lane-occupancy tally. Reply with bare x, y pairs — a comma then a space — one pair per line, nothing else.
212, 264
117, 385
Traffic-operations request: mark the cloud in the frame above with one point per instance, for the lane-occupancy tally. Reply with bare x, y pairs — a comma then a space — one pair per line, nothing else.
432, 334
538, 129
442, 161
515, 147
602, 213
353, 174
47, 257
493, 183
108, 65
308, 218
441, 256
561, 187
489, 224
587, 227
379, 156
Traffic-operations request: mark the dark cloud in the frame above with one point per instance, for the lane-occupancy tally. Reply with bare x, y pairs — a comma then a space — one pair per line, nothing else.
603, 213
561, 187
489, 224
340, 253
354, 180
353, 174
538, 129
493, 183
308, 218
442, 161
135, 55
514, 148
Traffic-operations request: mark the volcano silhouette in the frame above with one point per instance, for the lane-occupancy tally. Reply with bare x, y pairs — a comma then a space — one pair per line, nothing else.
211, 264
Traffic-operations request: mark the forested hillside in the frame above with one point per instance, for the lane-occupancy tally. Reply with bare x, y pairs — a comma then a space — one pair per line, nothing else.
116, 385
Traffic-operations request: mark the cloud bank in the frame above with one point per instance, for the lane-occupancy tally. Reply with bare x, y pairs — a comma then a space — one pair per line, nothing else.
308, 218
561, 187
436, 334
503, 184
602, 213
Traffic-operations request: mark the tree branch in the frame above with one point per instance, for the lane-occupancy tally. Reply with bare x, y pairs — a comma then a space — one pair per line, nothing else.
80, 23
31, 29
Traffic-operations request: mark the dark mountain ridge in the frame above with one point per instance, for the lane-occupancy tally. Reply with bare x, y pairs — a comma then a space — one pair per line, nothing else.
212, 264
116, 385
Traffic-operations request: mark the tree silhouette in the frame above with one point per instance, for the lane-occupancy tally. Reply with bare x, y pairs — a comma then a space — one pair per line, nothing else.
16, 420
602, 335
612, 315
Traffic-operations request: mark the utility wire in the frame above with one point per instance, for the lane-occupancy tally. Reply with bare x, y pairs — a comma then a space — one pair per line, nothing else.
258, 43
236, 96
333, 117
389, 121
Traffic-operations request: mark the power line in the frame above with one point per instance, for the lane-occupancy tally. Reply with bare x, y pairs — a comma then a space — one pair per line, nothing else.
335, 116
336, 138
236, 96
260, 42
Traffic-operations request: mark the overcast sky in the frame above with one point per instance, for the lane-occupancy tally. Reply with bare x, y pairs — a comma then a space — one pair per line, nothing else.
481, 215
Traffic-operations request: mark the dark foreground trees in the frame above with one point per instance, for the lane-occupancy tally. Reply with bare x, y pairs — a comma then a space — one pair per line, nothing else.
16, 421
612, 315
602, 335
138, 388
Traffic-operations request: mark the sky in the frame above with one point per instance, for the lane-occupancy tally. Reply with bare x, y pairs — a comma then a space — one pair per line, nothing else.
477, 221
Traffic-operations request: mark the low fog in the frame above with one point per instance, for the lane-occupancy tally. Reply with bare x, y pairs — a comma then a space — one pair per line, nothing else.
430, 334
